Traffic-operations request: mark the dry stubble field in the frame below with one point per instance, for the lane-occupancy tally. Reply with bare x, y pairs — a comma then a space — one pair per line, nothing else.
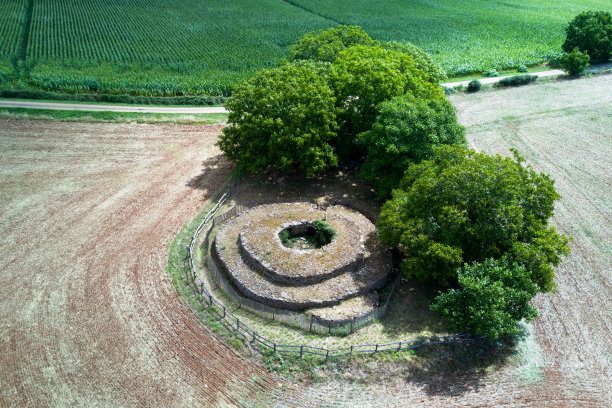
88, 315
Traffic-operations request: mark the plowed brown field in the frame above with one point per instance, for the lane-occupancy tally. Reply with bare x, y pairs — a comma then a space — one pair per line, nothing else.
88, 315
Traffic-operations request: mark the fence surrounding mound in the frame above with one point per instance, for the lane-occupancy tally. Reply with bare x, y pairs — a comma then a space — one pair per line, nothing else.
291, 318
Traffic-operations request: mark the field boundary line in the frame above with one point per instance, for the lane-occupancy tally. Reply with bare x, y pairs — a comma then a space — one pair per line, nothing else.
235, 325
313, 12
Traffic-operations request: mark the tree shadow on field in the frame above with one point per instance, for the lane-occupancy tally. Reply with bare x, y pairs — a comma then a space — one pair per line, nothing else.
452, 370
215, 171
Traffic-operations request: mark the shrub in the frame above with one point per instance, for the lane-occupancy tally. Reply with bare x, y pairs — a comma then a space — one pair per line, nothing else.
516, 80
493, 296
364, 76
590, 32
282, 118
555, 59
325, 45
324, 233
490, 73
474, 86
522, 69
406, 131
575, 62
464, 207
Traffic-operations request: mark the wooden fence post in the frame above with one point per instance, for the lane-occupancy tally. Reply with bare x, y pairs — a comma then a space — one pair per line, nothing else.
376, 349
399, 346
301, 351
274, 347
224, 311
327, 355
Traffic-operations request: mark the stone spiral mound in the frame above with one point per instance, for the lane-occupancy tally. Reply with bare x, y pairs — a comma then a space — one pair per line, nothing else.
249, 251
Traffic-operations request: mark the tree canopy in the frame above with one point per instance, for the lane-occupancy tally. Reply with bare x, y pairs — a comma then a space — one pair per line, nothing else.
421, 59
463, 207
325, 45
406, 131
591, 32
283, 118
493, 296
364, 76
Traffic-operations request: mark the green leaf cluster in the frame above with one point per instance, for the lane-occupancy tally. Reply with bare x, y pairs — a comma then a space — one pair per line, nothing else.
421, 59
591, 32
283, 118
493, 296
575, 62
325, 45
406, 131
364, 76
463, 207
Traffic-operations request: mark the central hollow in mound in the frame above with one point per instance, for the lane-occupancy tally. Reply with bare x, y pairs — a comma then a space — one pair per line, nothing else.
307, 235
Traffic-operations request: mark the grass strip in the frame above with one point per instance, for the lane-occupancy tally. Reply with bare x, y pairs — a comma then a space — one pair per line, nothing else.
112, 117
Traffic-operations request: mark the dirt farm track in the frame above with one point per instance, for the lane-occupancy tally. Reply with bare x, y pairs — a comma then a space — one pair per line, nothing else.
89, 317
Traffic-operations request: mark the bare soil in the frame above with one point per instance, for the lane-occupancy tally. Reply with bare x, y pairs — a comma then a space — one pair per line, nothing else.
88, 314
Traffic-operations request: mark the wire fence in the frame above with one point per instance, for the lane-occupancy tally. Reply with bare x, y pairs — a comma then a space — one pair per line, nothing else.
290, 318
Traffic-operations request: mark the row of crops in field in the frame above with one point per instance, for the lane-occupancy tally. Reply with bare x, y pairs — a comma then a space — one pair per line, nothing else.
12, 14
165, 47
465, 36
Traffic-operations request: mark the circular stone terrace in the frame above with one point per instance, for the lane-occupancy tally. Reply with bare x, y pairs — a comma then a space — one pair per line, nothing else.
337, 278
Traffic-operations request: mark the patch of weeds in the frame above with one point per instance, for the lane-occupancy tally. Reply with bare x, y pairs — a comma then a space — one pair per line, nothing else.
474, 86
292, 366
490, 73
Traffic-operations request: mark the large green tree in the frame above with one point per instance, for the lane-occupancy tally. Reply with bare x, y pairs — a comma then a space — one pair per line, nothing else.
493, 296
463, 207
283, 118
591, 32
364, 76
406, 131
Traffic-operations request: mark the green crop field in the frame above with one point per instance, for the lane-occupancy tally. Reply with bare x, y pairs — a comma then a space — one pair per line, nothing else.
164, 47
464, 36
